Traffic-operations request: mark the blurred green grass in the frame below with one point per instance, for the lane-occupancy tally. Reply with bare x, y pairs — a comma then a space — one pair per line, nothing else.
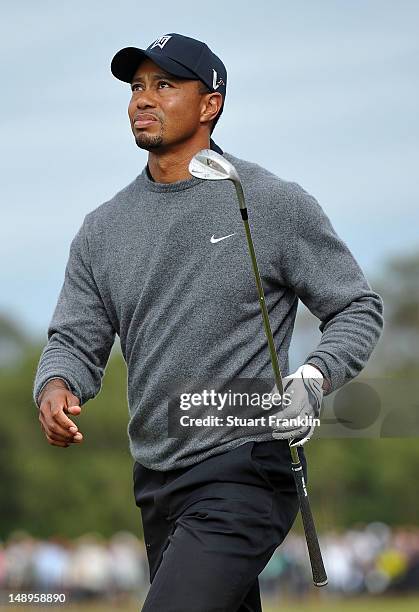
371, 604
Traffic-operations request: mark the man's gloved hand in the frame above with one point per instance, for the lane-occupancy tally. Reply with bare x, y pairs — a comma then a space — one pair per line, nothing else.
304, 388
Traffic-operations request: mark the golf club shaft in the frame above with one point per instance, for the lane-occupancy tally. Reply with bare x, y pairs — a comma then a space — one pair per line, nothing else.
316, 560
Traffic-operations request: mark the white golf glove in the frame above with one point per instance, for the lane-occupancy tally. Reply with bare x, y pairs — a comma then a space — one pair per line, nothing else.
304, 388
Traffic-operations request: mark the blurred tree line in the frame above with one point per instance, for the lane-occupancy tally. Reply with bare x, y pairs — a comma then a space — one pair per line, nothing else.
47, 490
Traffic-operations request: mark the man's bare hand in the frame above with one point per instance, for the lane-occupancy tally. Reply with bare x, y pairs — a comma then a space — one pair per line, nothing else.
55, 402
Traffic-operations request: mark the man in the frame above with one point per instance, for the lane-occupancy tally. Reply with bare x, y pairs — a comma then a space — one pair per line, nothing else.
164, 264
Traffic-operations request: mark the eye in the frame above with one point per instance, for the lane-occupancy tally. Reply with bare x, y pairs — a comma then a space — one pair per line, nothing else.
164, 83
135, 86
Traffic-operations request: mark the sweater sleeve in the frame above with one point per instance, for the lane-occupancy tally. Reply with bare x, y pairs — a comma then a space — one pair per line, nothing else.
80, 334
324, 274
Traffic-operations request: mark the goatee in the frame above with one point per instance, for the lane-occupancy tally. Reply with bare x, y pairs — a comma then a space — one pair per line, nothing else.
147, 142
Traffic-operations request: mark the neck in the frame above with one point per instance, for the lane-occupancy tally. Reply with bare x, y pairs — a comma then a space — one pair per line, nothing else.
171, 165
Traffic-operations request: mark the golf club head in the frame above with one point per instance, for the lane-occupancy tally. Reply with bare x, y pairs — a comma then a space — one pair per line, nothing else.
210, 165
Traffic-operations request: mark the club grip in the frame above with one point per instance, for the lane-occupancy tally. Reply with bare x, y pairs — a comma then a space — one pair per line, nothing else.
316, 560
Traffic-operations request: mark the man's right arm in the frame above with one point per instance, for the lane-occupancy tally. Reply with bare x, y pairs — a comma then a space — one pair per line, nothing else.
80, 334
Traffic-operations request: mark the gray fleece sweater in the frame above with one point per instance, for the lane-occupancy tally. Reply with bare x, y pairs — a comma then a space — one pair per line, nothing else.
185, 308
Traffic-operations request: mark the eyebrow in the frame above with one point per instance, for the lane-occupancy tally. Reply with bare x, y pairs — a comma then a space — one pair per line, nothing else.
156, 76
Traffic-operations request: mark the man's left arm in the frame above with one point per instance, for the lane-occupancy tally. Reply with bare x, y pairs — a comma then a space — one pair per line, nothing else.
321, 270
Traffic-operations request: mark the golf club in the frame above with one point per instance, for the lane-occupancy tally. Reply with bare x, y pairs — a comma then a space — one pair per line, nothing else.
210, 165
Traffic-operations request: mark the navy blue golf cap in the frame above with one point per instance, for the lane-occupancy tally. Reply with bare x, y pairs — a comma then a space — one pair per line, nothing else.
179, 55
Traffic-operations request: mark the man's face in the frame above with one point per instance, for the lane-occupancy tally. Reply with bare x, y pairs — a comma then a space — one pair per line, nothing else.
163, 109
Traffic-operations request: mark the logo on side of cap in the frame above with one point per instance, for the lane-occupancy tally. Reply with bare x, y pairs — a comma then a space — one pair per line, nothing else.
216, 84
160, 42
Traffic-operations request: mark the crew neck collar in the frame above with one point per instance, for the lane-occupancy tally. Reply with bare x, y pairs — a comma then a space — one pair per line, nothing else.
152, 185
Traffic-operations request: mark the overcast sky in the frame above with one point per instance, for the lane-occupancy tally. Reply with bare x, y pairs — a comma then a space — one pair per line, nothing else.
324, 93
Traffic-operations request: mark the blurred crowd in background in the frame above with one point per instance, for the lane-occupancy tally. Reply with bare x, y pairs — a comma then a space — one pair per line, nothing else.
370, 559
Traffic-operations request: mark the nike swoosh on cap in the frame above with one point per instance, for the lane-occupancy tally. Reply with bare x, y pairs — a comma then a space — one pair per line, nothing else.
214, 239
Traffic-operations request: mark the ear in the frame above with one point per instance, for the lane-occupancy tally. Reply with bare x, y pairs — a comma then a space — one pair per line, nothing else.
211, 105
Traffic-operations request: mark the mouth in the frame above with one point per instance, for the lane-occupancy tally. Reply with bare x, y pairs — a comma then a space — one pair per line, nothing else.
144, 119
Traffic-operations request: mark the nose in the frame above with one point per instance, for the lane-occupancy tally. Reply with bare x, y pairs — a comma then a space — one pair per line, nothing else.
145, 99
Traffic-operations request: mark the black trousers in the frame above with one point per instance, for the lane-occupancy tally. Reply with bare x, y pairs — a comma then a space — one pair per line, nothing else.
211, 528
